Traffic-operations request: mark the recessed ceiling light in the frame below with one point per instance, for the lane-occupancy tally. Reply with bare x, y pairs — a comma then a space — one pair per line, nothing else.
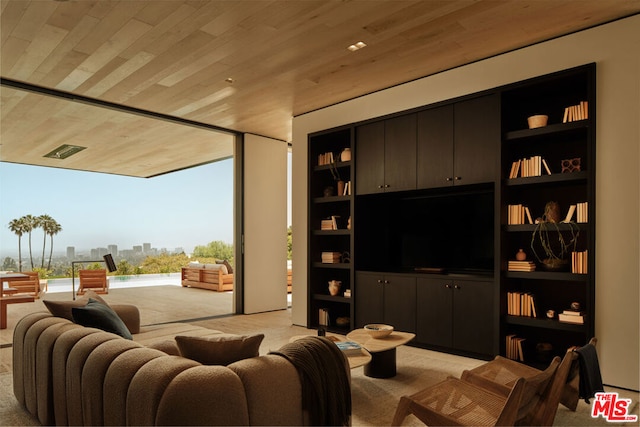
64, 151
229, 80
357, 46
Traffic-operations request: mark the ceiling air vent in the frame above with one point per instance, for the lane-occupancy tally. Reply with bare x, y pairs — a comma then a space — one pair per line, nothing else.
64, 151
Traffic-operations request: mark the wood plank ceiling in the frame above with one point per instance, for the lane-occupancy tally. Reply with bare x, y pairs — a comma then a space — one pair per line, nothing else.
242, 66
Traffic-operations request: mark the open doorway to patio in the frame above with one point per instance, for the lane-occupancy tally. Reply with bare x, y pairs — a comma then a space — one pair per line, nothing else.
152, 227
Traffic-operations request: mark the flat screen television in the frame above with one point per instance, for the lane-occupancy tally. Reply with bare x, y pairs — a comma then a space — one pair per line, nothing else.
449, 231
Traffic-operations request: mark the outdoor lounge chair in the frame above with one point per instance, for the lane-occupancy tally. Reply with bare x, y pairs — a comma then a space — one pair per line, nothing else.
26, 285
93, 279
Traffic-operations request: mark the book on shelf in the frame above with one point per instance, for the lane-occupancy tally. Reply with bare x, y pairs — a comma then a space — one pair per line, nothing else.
514, 348
570, 213
521, 304
582, 211
576, 112
571, 318
347, 189
521, 266
532, 166
349, 348
579, 262
326, 224
518, 214
330, 257
325, 159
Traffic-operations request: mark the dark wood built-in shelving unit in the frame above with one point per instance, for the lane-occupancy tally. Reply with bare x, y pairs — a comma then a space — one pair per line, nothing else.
456, 157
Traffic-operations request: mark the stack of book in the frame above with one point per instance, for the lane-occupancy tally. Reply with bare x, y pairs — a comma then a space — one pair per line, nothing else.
571, 316
517, 213
330, 257
514, 348
521, 304
579, 262
576, 112
532, 166
349, 348
330, 223
522, 266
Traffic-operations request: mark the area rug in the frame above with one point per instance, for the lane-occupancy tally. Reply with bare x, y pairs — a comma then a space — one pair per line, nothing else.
374, 400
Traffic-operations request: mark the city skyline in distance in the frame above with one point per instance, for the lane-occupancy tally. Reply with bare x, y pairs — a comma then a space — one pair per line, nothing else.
181, 209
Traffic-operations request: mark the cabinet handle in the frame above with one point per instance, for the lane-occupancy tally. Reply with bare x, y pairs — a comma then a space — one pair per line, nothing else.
457, 287
448, 286
379, 281
458, 178
380, 186
449, 178
387, 186
386, 282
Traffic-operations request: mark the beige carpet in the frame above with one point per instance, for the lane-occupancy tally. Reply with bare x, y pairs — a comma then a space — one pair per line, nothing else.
374, 400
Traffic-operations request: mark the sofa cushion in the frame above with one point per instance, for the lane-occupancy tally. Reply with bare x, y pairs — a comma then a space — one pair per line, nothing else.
221, 349
226, 264
63, 308
98, 315
167, 346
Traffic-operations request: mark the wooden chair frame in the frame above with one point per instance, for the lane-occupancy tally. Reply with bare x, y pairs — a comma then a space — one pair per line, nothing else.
26, 285
93, 279
455, 402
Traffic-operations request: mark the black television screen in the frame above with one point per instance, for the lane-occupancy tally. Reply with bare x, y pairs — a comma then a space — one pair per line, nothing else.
454, 232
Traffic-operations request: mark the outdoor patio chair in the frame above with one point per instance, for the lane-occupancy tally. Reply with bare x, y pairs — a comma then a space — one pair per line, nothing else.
93, 279
26, 285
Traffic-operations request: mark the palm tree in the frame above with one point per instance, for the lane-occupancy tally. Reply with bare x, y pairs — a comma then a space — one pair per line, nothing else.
43, 222
30, 222
17, 227
51, 228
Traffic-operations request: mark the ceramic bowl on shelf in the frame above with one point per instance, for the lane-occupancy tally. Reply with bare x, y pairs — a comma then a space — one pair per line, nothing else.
537, 121
378, 330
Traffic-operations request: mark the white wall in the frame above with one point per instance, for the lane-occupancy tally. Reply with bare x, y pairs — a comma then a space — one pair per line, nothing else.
614, 47
265, 224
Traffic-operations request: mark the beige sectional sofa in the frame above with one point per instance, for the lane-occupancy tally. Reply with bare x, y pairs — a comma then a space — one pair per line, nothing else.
67, 374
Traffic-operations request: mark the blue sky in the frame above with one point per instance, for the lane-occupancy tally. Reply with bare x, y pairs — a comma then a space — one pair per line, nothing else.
181, 209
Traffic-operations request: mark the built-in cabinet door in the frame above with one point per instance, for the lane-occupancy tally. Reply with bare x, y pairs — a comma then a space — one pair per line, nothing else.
434, 307
476, 140
400, 302
370, 158
473, 311
434, 156
369, 298
400, 153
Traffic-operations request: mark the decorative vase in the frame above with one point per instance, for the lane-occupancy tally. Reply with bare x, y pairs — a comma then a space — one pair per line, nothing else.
552, 212
345, 156
340, 188
328, 191
521, 255
553, 264
334, 287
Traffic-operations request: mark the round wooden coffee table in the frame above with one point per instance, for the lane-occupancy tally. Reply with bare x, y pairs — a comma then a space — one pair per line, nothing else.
383, 351
355, 361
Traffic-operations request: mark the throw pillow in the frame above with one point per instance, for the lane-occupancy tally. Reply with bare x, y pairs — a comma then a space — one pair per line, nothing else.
220, 349
63, 308
98, 315
226, 264
229, 268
